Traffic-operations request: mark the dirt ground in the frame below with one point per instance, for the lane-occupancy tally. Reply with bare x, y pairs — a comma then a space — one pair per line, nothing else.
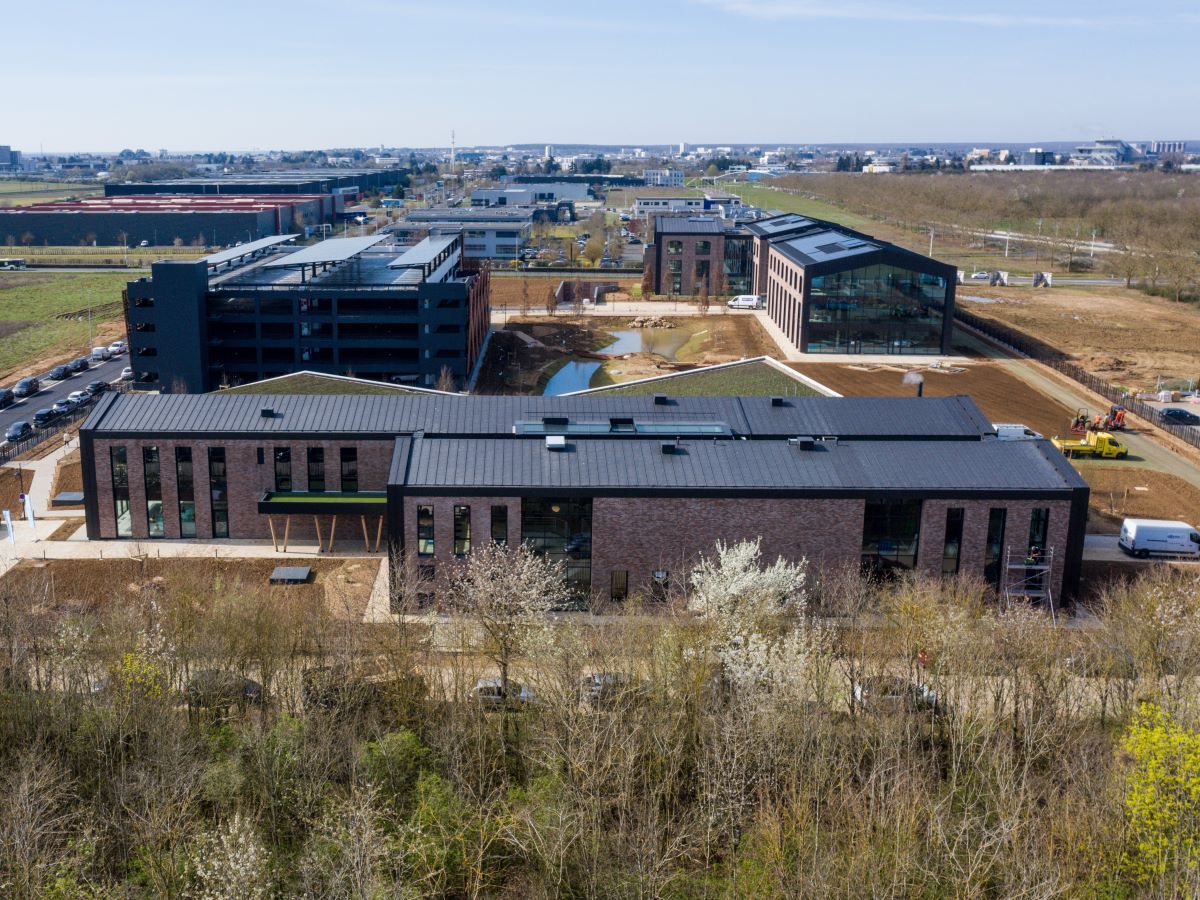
68, 477
1001, 396
1121, 491
507, 291
516, 367
1121, 335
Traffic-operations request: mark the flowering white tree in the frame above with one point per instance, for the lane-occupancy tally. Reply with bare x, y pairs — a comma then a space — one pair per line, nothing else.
229, 862
755, 613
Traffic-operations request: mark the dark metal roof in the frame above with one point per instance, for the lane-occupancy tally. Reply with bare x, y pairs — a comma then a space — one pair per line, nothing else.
738, 467
864, 418
688, 225
777, 225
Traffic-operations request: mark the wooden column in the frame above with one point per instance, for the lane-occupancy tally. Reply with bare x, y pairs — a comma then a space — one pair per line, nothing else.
332, 529
271, 525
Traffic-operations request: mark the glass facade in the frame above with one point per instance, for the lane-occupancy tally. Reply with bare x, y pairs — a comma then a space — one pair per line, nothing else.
561, 531
424, 531
994, 548
185, 486
152, 477
952, 545
120, 486
890, 531
737, 266
219, 492
500, 525
462, 530
876, 309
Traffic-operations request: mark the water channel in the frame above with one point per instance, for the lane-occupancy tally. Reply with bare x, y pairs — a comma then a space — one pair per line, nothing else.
577, 374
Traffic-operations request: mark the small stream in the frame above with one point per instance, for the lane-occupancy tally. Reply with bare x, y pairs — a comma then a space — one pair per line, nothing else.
577, 374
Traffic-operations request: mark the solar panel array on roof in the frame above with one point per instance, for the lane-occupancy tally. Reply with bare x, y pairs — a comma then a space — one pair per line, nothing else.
423, 253
233, 253
334, 250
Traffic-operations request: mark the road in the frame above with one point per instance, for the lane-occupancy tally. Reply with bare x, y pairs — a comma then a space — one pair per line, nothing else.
24, 409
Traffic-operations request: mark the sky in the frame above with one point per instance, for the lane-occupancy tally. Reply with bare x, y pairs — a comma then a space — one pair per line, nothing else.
267, 74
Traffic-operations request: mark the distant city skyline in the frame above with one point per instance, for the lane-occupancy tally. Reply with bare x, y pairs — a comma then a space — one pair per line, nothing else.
404, 74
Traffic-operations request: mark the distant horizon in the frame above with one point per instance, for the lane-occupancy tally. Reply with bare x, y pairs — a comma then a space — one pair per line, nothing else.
405, 73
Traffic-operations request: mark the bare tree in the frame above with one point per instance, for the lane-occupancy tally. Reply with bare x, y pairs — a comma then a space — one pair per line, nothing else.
446, 381
551, 301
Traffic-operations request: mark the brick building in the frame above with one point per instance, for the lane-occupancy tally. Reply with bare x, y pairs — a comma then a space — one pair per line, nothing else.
625, 491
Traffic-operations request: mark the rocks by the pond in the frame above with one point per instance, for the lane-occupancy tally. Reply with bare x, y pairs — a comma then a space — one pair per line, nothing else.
651, 322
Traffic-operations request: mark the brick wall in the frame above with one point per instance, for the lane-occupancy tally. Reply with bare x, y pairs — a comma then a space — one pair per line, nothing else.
246, 480
687, 259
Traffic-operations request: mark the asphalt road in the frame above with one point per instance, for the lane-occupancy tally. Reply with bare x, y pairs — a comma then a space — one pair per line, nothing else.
24, 408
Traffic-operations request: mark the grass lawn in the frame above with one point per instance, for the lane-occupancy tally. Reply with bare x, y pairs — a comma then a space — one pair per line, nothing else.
26, 193
44, 316
766, 198
364, 498
749, 380
308, 383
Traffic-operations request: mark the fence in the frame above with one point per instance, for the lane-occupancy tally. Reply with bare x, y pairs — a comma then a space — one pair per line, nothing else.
1057, 360
13, 449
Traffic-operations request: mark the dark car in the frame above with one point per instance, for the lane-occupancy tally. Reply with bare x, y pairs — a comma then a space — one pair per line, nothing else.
18, 431
1180, 417
58, 373
79, 364
7, 398
27, 387
215, 688
44, 417
96, 387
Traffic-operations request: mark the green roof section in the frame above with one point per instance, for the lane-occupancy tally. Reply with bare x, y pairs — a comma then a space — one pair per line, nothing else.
757, 377
321, 383
365, 498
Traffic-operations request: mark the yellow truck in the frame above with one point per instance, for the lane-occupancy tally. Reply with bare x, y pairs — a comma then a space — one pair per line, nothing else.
1099, 444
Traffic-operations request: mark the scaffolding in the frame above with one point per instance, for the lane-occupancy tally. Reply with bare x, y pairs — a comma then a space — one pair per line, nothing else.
1027, 576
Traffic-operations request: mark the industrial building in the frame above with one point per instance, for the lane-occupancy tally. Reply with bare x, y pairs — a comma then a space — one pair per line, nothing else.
830, 289
345, 305
625, 492
495, 233
162, 220
352, 183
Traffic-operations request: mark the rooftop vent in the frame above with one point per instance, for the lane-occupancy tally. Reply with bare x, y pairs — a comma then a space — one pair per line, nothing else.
661, 400
803, 443
556, 442
777, 401
267, 413
669, 448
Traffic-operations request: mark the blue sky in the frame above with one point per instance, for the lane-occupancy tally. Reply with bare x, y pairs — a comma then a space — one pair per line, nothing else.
269, 74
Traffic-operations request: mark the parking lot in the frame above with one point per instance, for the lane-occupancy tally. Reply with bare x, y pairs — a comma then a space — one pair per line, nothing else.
24, 407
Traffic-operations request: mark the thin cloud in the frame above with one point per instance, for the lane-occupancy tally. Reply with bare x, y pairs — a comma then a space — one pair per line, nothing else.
907, 12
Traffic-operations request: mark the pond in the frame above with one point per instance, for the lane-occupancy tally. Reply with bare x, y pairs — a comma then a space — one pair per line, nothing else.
577, 374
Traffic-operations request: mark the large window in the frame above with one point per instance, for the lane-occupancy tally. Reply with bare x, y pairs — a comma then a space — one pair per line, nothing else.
424, 531
674, 246
876, 309
561, 530
120, 487
890, 530
1039, 530
737, 266
702, 248
349, 462
283, 469
994, 548
219, 492
462, 530
702, 270
316, 469
152, 477
186, 488
952, 545
500, 525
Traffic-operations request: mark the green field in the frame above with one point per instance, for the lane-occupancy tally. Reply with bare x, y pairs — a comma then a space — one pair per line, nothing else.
754, 379
25, 193
304, 383
44, 315
768, 198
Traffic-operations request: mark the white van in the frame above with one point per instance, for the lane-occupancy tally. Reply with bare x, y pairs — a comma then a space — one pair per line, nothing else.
746, 301
100, 354
1011, 431
1141, 537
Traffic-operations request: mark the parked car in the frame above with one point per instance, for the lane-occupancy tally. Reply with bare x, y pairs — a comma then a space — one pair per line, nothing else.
100, 354
981, 276
611, 688
1180, 417
215, 688
18, 431
44, 417
58, 373
1012, 431
79, 364
62, 407
127, 373
7, 398
27, 387
1141, 537
79, 398
489, 693
116, 348
96, 387
891, 694
746, 301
